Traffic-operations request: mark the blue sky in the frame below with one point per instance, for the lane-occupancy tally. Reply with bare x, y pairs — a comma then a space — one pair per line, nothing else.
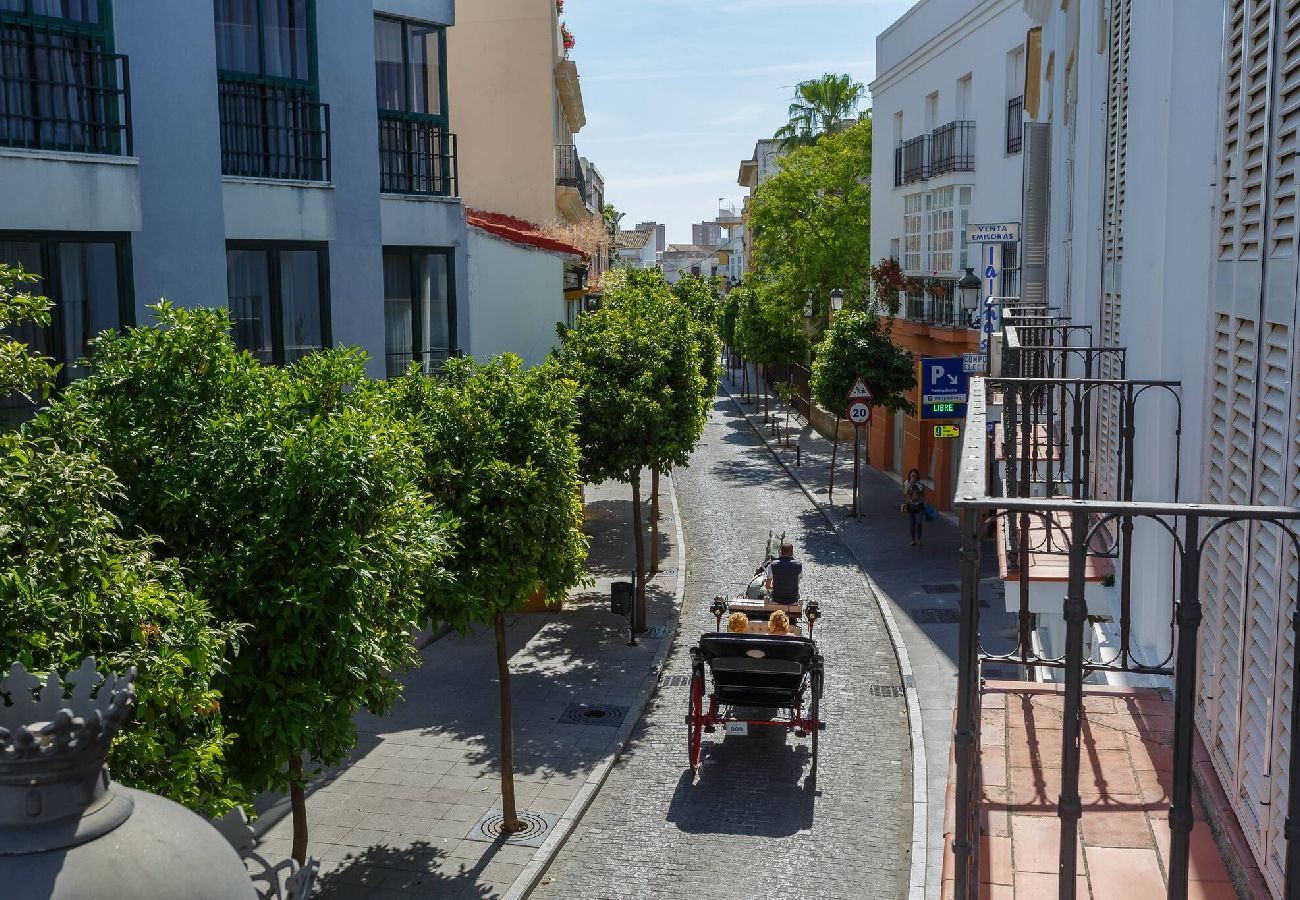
677, 91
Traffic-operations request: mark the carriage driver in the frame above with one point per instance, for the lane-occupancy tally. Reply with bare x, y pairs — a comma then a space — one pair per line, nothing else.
783, 576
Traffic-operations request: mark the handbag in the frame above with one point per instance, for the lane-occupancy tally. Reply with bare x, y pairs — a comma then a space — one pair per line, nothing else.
930, 513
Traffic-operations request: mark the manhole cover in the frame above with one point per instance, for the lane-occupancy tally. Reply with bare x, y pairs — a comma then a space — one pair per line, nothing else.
941, 588
885, 690
537, 826
657, 632
600, 714
931, 616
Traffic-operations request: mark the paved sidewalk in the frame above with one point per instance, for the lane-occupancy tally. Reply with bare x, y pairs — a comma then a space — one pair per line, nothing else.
392, 822
919, 586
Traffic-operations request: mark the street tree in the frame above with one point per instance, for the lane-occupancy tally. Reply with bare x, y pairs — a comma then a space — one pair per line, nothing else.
821, 106
72, 584
858, 345
293, 500
497, 446
770, 330
638, 375
811, 222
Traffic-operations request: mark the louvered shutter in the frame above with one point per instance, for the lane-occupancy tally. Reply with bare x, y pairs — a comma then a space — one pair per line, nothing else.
1038, 163
1108, 419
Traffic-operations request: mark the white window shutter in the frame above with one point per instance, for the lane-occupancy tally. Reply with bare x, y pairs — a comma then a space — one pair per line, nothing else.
1037, 152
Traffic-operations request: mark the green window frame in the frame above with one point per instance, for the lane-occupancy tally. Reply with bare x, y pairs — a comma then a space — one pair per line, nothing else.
409, 307
24, 12
260, 75
408, 90
272, 319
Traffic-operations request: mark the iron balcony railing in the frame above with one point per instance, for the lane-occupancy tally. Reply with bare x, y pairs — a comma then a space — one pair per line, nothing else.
417, 155
915, 155
952, 148
1188, 533
273, 130
935, 309
62, 90
568, 169
1015, 123
898, 166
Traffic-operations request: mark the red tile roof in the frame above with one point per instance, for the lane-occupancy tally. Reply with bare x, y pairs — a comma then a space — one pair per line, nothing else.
519, 231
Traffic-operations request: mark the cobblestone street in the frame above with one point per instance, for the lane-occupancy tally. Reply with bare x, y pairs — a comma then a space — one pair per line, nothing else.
753, 824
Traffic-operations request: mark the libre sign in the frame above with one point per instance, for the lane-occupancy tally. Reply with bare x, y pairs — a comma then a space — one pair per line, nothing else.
942, 385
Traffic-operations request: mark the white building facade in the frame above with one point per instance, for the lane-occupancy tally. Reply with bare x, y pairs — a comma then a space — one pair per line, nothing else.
946, 142
292, 163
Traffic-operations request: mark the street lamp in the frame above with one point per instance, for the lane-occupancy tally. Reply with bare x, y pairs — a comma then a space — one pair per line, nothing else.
837, 300
970, 294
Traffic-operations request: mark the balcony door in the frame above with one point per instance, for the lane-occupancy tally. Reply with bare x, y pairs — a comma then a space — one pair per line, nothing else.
279, 299
419, 308
416, 152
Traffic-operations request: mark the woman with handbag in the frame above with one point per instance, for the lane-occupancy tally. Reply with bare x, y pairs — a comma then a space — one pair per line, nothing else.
914, 504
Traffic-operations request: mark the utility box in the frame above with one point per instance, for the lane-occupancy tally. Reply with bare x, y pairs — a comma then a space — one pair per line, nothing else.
620, 598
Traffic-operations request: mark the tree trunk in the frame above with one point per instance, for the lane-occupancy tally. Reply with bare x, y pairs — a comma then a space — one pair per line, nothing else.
835, 446
298, 805
654, 521
509, 815
638, 540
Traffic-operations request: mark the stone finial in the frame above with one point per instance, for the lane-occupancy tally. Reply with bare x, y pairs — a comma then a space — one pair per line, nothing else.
77, 712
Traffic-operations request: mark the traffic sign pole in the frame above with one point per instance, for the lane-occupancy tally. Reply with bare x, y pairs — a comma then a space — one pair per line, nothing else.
858, 411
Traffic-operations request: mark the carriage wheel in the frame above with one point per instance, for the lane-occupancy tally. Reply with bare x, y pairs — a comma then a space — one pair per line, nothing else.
816, 720
694, 716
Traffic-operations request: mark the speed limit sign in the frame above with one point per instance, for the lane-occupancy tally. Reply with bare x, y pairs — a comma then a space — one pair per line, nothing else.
859, 413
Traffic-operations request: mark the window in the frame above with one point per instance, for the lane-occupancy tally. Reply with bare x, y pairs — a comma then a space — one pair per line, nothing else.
61, 85
86, 279
272, 123
912, 233
416, 152
419, 308
278, 299
947, 215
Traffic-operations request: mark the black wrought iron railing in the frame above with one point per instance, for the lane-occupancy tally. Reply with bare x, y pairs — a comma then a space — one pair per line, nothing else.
417, 155
1015, 123
273, 130
62, 90
898, 166
952, 148
1179, 535
568, 169
916, 159
914, 307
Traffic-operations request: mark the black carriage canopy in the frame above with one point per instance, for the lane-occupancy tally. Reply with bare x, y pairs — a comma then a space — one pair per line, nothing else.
757, 669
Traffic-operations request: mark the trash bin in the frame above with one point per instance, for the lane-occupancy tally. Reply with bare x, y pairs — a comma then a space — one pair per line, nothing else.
620, 598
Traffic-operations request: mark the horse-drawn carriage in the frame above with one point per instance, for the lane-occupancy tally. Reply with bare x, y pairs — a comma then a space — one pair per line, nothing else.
759, 679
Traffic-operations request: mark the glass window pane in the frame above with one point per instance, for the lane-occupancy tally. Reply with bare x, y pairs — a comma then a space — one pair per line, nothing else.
426, 88
399, 343
435, 325
237, 41
300, 303
13, 6
285, 44
390, 75
76, 10
88, 298
248, 284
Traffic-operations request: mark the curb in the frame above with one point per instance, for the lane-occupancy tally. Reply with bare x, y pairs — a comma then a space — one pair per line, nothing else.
532, 873
920, 767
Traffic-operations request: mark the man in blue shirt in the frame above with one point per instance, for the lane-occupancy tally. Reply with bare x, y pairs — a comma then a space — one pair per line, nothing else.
783, 576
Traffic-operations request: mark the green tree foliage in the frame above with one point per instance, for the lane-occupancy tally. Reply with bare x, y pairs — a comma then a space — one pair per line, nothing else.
821, 106
699, 296
858, 344
72, 585
292, 498
812, 221
497, 445
769, 325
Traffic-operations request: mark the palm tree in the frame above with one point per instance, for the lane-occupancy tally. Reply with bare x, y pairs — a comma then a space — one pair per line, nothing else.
821, 106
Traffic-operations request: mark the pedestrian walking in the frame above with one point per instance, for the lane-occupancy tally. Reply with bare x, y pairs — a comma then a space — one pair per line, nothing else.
914, 504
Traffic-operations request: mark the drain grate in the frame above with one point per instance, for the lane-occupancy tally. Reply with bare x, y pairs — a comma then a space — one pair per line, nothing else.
675, 681
936, 616
537, 827
600, 714
941, 588
656, 632
885, 690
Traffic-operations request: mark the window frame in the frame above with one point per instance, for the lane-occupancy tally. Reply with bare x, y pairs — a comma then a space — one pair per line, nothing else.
313, 56
419, 341
918, 216
441, 117
273, 249
102, 29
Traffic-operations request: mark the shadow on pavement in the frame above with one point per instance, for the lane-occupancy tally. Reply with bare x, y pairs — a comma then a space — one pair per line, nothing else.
416, 870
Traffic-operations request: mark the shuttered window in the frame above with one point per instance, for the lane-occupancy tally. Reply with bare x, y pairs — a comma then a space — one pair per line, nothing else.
1246, 654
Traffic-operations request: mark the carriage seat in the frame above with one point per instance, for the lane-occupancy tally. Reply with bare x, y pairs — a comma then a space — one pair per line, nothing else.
757, 669
764, 606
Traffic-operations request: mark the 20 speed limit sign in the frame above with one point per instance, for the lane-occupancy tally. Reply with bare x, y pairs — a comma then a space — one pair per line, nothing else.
859, 413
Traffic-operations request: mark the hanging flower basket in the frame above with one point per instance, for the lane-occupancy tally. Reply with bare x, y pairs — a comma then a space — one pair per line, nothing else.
567, 36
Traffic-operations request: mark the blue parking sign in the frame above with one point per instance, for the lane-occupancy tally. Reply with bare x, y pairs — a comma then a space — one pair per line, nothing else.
942, 386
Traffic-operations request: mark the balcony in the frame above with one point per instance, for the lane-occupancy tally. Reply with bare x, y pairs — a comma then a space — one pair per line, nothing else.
914, 156
952, 148
568, 169
417, 155
942, 309
273, 130
61, 90
1015, 124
